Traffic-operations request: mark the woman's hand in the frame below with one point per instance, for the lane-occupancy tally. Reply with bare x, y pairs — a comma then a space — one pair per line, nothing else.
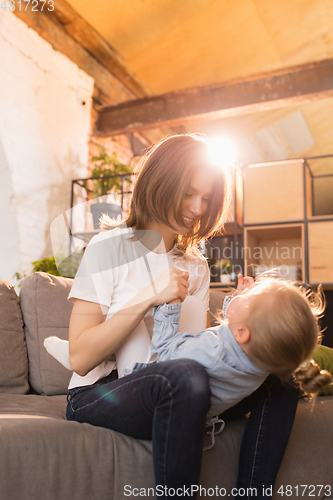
170, 286
92, 339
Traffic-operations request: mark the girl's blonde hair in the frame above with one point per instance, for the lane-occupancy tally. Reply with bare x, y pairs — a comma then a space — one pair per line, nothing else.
283, 322
163, 176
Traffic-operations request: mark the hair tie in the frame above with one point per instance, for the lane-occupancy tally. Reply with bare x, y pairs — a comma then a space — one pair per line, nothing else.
306, 364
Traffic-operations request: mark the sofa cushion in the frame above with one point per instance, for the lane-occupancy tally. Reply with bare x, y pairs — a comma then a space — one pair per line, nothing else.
51, 459
46, 312
32, 405
13, 349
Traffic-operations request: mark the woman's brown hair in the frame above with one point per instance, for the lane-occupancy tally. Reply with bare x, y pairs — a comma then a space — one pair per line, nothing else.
163, 176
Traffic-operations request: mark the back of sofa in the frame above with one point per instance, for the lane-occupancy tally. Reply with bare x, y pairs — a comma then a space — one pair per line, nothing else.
46, 312
41, 311
13, 349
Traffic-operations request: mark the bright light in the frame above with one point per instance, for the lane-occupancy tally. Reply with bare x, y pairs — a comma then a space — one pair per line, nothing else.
223, 152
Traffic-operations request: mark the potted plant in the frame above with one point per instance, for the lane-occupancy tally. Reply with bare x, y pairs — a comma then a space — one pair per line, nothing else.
226, 271
56, 265
102, 184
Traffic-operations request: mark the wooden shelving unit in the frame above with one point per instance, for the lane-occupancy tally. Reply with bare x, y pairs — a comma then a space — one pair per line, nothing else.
280, 228
288, 216
274, 192
320, 240
275, 201
274, 246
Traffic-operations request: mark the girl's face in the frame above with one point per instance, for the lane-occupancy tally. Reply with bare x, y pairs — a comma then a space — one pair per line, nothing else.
195, 201
236, 312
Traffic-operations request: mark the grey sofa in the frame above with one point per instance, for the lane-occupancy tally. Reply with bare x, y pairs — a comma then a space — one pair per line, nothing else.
45, 457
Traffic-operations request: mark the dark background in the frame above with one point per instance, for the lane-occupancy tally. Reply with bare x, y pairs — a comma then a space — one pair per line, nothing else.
327, 320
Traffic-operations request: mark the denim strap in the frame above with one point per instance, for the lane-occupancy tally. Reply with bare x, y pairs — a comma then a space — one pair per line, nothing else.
226, 302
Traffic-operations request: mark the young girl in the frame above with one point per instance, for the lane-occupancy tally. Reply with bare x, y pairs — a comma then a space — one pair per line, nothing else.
271, 327
180, 197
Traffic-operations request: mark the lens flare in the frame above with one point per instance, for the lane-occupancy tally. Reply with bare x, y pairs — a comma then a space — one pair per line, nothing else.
222, 151
107, 395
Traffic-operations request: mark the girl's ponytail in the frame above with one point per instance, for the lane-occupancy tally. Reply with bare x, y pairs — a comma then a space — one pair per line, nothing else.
311, 378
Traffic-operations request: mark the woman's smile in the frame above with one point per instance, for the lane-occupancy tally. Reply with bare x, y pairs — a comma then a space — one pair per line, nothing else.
188, 222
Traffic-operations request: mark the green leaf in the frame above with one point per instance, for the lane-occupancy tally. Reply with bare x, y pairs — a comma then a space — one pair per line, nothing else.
101, 150
106, 165
96, 172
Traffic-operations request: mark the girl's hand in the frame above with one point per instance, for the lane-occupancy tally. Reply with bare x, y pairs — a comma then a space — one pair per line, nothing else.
171, 287
243, 283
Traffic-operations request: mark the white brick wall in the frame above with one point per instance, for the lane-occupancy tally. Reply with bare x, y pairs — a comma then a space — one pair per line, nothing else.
44, 134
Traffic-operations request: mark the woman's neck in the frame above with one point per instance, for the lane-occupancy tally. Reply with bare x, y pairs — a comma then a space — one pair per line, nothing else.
167, 240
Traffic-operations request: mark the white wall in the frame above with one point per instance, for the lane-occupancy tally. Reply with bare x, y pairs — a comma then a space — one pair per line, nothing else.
44, 134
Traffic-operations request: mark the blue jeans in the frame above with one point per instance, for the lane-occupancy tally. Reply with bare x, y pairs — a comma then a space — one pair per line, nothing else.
165, 402
273, 407
177, 392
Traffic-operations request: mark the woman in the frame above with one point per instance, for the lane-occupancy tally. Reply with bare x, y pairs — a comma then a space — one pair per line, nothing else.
179, 199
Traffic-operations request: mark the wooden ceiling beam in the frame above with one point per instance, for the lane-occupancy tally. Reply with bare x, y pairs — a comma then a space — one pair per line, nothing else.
261, 92
97, 46
69, 33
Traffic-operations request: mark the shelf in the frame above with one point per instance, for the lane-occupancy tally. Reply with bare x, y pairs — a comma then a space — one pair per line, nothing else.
274, 246
321, 217
274, 192
320, 236
222, 286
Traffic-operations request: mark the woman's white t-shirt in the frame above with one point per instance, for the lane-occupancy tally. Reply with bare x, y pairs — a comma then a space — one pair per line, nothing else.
116, 266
